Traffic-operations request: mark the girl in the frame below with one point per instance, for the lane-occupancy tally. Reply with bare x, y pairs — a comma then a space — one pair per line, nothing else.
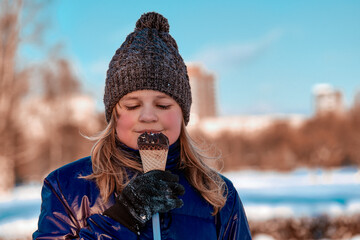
107, 195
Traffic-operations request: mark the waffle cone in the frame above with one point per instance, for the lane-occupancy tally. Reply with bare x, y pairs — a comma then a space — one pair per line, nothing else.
153, 159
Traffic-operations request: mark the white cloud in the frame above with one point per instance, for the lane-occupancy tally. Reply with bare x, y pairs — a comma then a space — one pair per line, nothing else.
227, 56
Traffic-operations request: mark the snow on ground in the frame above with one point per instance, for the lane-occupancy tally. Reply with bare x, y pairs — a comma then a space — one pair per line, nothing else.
18, 229
30, 191
303, 192
19, 210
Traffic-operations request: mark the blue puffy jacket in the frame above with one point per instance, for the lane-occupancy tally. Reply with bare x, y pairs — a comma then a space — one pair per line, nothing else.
72, 209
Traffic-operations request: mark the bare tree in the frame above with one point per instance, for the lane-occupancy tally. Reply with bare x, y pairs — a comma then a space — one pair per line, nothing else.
13, 85
39, 130
19, 24
321, 141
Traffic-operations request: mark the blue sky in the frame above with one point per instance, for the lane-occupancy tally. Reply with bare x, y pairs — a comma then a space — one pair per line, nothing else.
267, 55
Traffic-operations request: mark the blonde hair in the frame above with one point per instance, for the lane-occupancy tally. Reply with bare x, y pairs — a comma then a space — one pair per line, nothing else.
110, 163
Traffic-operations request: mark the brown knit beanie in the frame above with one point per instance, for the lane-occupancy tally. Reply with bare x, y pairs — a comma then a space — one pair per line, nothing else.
148, 59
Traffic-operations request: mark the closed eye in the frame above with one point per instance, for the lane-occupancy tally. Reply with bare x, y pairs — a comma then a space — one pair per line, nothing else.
132, 107
163, 106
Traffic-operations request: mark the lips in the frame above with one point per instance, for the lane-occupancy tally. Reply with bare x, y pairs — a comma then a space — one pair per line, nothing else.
149, 131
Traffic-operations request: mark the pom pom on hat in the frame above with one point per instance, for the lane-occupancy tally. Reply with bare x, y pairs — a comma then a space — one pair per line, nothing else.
153, 20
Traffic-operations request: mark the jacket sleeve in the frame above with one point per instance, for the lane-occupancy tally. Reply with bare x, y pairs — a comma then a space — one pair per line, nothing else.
57, 221
237, 226
234, 222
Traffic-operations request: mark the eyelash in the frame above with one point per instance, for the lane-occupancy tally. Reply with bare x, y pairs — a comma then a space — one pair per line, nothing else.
131, 107
164, 107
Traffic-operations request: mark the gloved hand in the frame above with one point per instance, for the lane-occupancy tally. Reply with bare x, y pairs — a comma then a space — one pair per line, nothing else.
153, 192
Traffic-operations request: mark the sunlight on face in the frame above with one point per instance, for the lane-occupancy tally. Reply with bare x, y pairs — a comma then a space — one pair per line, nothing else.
147, 111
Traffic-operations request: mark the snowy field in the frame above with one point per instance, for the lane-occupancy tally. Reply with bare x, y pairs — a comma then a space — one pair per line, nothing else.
302, 192
265, 195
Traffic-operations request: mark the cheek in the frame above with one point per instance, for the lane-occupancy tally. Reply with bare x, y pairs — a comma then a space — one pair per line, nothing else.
125, 122
172, 120
172, 123
125, 125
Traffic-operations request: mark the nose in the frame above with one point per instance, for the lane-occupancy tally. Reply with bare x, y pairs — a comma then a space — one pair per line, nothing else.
148, 114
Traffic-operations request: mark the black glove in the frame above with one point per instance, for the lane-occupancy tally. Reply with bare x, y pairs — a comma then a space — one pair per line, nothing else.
153, 192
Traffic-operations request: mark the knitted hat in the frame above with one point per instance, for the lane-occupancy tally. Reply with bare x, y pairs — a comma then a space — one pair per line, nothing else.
148, 60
